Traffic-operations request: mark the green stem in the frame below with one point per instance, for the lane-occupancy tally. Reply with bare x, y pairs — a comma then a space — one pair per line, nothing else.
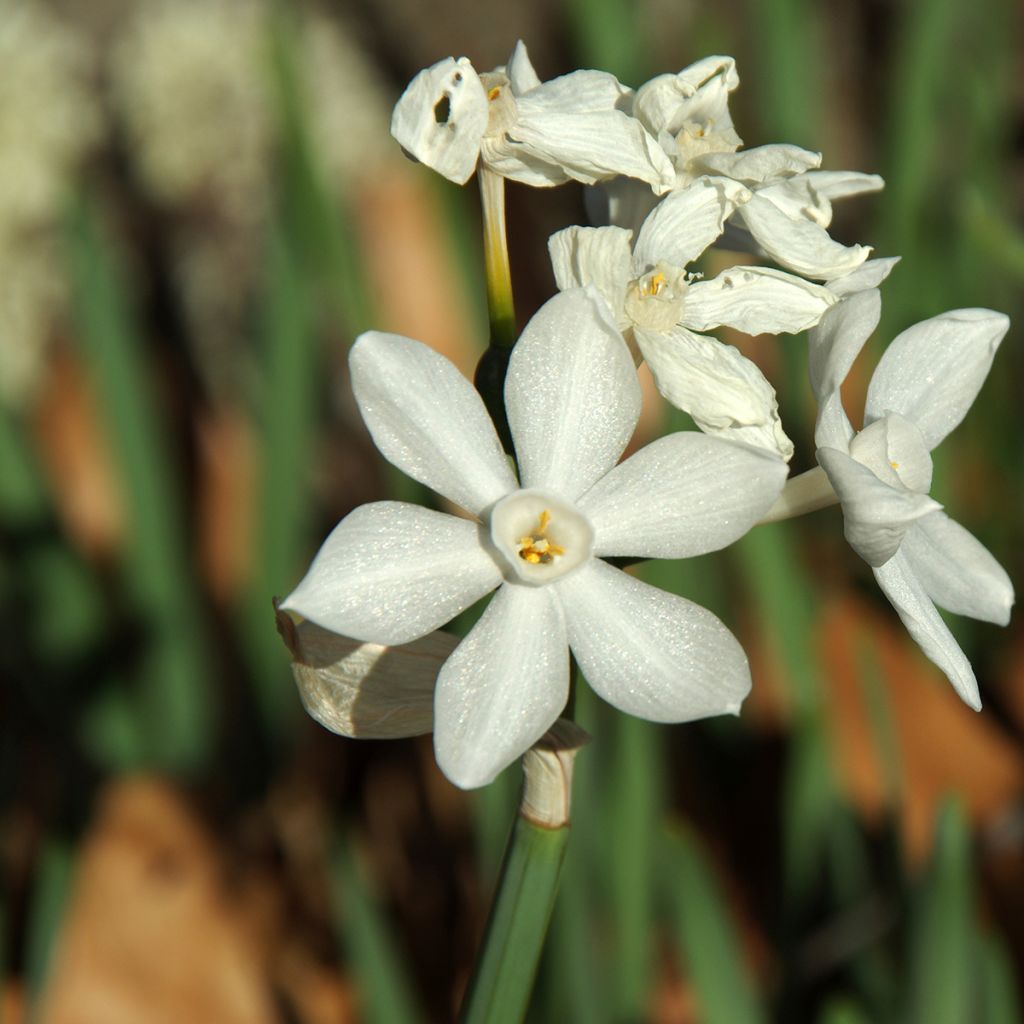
499, 991
500, 305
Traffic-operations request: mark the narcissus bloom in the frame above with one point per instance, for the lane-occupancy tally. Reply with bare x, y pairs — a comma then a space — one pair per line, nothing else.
392, 572
921, 389
539, 133
662, 308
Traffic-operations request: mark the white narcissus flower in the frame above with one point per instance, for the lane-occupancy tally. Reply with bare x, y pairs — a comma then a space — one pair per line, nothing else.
657, 305
791, 205
392, 572
921, 389
539, 133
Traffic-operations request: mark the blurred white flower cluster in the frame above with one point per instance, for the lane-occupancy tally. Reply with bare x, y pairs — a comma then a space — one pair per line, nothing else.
675, 181
49, 120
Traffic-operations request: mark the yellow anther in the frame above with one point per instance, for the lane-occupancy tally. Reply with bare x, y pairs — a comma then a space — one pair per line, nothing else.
535, 548
895, 465
494, 93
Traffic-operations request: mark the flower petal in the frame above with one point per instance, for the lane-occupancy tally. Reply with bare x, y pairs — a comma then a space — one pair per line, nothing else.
956, 570
869, 274
503, 687
906, 594
724, 392
685, 223
521, 76
876, 516
574, 123
894, 450
572, 394
933, 371
441, 118
391, 572
682, 495
756, 300
651, 653
427, 420
366, 690
760, 164
597, 256
799, 244
698, 93
833, 346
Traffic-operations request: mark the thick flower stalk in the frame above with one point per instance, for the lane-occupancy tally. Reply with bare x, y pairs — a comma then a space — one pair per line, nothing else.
662, 308
539, 133
920, 391
392, 572
790, 208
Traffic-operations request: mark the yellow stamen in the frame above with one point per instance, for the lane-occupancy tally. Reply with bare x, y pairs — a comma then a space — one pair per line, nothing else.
895, 465
494, 93
535, 548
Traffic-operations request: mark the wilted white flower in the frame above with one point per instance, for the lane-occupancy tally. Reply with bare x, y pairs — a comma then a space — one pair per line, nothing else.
190, 80
657, 304
49, 115
791, 204
392, 572
921, 389
539, 133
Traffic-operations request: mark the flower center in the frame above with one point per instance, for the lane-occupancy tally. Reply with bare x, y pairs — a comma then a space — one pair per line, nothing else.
655, 301
501, 104
894, 450
540, 536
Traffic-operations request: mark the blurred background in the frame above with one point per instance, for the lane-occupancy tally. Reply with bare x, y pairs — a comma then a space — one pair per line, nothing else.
200, 207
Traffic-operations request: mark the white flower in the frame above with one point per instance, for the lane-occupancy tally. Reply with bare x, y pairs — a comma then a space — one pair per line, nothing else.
791, 205
657, 304
391, 572
921, 389
539, 133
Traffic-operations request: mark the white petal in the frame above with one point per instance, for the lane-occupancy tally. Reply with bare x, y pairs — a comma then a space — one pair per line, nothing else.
622, 202
519, 69
756, 300
933, 371
571, 393
598, 256
698, 93
427, 419
364, 690
869, 274
685, 223
391, 572
441, 118
908, 597
760, 164
956, 570
833, 346
724, 392
894, 450
682, 495
843, 184
650, 653
503, 687
798, 244
876, 516
580, 131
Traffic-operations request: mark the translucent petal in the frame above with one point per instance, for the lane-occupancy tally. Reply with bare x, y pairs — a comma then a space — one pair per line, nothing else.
598, 256
441, 118
503, 687
428, 420
650, 653
833, 346
391, 572
682, 495
933, 371
799, 244
760, 164
956, 570
907, 595
520, 71
876, 516
756, 300
685, 223
869, 274
571, 393
724, 392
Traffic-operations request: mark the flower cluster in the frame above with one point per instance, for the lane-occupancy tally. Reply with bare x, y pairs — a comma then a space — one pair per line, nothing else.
668, 178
